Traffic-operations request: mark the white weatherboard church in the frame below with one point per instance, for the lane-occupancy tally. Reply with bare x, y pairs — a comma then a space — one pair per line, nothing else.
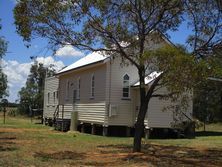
104, 94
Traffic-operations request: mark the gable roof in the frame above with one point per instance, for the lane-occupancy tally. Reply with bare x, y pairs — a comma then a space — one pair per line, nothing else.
96, 57
91, 58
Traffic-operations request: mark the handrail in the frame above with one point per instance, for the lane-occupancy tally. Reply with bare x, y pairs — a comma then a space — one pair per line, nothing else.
186, 116
56, 113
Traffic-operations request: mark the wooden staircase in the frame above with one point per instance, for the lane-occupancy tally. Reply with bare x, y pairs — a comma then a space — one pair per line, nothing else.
60, 123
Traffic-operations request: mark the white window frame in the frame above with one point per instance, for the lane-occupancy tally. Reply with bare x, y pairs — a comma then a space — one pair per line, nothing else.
78, 88
92, 86
123, 80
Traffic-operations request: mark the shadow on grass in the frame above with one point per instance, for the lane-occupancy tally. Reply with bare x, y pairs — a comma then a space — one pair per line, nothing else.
63, 155
97, 162
6, 148
7, 142
7, 138
208, 133
159, 155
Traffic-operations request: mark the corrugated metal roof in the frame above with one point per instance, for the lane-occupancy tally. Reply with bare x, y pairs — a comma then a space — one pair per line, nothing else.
152, 76
87, 60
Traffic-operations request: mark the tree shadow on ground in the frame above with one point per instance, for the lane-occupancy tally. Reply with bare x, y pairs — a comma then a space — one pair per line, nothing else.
208, 133
6, 148
75, 158
62, 155
7, 142
159, 155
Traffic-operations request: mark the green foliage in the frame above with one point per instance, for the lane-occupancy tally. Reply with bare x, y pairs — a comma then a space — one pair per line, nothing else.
181, 71
181, 74
208, 101
204, 17
3, 47
3, 77
12, 112
31, 96
3, 84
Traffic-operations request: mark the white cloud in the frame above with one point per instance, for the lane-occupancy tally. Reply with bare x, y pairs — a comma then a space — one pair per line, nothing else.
17, 73
68, 51
48, 61
15, 1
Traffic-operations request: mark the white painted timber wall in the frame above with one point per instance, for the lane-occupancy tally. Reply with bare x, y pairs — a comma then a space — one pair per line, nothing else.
89, 109
156, 117
114, 82
51, 88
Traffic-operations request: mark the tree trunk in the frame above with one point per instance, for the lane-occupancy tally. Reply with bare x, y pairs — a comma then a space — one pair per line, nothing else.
144, 101
139, 127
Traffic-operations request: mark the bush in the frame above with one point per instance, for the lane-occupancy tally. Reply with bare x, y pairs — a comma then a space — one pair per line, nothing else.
198, 124
12, 112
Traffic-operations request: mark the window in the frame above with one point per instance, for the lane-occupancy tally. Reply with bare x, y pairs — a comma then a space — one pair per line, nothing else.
78, 89
92, 86
57, 94
54, 97
67, 89
48, 98
126, 86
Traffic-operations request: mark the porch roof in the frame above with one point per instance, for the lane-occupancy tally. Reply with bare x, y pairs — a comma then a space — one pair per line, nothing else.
149, 78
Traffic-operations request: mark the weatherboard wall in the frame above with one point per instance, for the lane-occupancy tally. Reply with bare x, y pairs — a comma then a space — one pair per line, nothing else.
156, 116
114, 96
50, 102
90, 109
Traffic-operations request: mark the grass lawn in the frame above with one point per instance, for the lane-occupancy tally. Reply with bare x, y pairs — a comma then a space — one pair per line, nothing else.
23, 143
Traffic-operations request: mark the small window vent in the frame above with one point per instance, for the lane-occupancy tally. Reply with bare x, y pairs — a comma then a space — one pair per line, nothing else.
113, 109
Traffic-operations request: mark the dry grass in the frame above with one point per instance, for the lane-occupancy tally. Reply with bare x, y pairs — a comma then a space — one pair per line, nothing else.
23, 143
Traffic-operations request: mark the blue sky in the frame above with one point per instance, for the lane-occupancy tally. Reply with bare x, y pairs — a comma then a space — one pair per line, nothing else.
17, 61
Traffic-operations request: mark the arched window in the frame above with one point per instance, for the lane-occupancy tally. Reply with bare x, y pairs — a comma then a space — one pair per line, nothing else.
93, 86
126, 86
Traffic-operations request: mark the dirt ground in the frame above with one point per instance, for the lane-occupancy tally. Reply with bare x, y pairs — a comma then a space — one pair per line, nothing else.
105, 155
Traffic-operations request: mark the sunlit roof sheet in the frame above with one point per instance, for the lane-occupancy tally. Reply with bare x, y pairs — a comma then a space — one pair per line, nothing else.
152, 76
87, 60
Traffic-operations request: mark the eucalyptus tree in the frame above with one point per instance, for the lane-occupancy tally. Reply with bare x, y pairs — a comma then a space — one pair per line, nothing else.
32, 94
122, 28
